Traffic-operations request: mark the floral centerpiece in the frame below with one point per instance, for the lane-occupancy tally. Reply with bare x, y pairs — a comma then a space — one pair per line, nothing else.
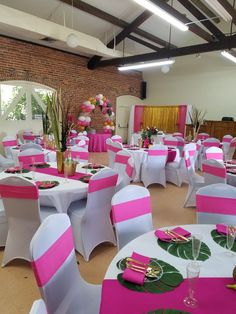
147, 134
197, 118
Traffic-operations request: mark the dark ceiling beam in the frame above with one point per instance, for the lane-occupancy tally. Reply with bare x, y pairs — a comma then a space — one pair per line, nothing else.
202, 18
192, 27
113, 20
225, 43
144, 43
229, 8
206, 10
121, 36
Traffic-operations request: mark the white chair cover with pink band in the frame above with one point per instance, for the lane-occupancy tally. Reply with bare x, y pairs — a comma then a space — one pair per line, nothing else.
124, 166
174, 142
195, 182
80, 153
216, 203
226, 140
81, 143
116, 138
38, 307
3, 225
6, 163
209, 142
82, 138
31, 145
214, 172
202, 136
30, 156
28, 137
9, 142
177, 134
153, 168
198, 152
131, 213
112, 149
232, 146
90, 218
56, 271
215, 153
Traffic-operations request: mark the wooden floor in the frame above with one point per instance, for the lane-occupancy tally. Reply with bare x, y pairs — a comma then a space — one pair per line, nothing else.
18, 288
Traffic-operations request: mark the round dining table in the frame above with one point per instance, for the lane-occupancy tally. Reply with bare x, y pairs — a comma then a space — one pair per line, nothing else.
216, 268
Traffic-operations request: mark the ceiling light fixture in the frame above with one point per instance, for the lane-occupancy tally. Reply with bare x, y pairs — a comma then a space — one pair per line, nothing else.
219, 9
72, 40
162, 14
145, 65
228, 55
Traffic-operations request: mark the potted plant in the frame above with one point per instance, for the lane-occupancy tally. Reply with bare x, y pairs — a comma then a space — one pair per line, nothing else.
197, 118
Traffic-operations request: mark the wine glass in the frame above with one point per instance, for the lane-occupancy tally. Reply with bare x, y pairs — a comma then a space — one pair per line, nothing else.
230, 235
193, 271
66, 172
21, 165
196, 245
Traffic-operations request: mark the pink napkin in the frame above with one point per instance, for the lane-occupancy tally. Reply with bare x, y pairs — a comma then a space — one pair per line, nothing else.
160, 234
45, 185
222, 229
132, 275
232, 162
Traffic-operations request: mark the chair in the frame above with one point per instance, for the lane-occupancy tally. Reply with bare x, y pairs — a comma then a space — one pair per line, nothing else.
21, 202
124, 166
38, 307
153, 169
31, 155
232, 146
195, 182
28, 137
226, 140
3, 225
214, 153
62, 288
80, 152
30, 145
112, 149
216, 203
209, 142
131, 213
6, 163
175, 142
116, 138
202, 136
90, 219
8, 142
177, 134
214, 172
80, 138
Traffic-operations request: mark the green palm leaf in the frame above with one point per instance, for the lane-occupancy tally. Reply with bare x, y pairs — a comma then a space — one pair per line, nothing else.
221, 240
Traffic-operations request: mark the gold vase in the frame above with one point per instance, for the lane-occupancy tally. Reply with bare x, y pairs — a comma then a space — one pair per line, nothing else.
60, 161
70, 168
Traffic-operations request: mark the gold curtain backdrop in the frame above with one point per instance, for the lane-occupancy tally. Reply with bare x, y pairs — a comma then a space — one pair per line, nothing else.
165, 118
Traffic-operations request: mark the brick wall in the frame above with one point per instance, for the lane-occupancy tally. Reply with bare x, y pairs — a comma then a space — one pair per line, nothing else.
57, 69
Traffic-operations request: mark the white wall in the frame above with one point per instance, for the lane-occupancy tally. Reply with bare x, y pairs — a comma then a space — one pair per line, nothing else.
208, 83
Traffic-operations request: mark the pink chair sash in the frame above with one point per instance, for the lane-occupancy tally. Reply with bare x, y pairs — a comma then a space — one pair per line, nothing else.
202, 136
188, 162
173, 143
190, 152
28, 137
233, 144
211, 144
122, 159
117, 140
113, 149
217, 205
103, 183
129, 170
139, 206
214, 156
152, 152
28, 159
215, 171
25, 192
81, 155
9, 143
47, 265
226, 139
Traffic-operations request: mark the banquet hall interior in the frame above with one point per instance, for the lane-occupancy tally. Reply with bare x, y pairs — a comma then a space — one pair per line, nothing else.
101, 101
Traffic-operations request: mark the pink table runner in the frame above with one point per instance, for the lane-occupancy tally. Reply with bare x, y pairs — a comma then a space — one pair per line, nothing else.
54, 172
213, 297
97, 142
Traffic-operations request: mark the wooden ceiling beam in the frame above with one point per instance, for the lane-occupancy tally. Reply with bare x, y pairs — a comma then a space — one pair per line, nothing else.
144, 43
202, 18
224, 43
199, 4
229, 8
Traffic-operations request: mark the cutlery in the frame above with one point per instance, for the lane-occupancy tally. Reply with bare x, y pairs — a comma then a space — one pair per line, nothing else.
176, 236
144, 268
148, 273
130, 259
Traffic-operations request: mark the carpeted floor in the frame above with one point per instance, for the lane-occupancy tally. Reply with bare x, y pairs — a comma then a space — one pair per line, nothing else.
18, 288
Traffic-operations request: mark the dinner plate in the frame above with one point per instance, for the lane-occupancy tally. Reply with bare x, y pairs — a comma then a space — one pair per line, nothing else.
85, 179
16, 170
44, 185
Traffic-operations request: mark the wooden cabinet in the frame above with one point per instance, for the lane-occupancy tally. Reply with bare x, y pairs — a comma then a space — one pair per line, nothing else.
216, 128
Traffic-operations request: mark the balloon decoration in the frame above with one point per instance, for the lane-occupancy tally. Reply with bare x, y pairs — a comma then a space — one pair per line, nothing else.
87, 107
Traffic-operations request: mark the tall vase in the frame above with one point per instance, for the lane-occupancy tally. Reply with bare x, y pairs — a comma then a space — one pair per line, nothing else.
60, 161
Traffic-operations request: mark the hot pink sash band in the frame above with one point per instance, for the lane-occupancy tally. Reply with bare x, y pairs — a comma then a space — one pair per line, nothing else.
139, 206
226, 139
173, 143
81, 155
26, 192
103, 183
214, 156
187, 162
121, 159
211, 144
129, 170
216, 205
29, 159
233, 144
113, 149
9, 143
152, 152
202, 136
190, 152
215, 171
47, 265
29, 137
117, 140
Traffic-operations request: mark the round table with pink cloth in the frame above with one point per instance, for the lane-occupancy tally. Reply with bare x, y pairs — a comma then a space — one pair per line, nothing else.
97, 142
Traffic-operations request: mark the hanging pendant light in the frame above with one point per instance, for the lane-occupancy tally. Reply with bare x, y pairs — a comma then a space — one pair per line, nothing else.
72, 40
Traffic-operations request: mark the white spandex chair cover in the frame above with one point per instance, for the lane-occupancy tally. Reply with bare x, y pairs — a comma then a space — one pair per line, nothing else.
195, 182
82, 138
112, 149
232, 146
202, 136
6, 163
214, 172
28, 137
153, 168
38, 307
31, 145
116, 138
215, 153
31, 155
90, 218
56, 271
216, 203
80, 152
8, 142
175, 142
21, 202
209, 142
177, 134
124, 166
131, 213
226, 140
3, 225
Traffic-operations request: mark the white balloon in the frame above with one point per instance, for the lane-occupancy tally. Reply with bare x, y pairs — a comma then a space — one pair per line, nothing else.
100, 102
82, 118
72, 40
87, 119
165, 69
99, 96
87, 103
93, 107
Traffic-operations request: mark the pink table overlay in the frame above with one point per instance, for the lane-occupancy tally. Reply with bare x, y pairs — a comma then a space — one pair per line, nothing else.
97, 142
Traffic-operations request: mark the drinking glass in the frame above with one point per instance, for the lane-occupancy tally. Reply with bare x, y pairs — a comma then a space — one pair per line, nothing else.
65, 172
231, 232
193, 271
196, 245
21, 165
